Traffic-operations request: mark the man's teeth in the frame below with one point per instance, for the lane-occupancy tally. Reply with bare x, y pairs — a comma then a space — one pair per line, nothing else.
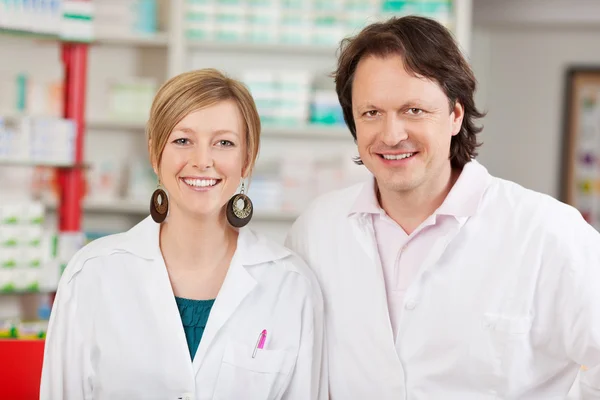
201, 182
397, 156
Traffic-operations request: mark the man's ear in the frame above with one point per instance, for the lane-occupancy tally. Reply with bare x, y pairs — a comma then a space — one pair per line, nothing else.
458, 114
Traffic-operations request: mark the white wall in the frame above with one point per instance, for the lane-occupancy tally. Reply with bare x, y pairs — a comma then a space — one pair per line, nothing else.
520, 54
581, 14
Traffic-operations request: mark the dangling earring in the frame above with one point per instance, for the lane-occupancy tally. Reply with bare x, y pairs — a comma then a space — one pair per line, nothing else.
159, 205
238, 214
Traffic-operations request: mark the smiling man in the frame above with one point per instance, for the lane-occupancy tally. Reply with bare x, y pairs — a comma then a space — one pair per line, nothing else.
441, 281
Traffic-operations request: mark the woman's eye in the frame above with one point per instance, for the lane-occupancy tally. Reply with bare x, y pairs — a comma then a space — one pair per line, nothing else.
225, 143
181, 141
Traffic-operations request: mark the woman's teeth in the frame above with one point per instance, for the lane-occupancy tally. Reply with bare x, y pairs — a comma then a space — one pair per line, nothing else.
201, 182
397, 156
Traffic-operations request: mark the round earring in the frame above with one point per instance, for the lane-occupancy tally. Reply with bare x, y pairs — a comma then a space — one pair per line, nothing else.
239, 210
159, 205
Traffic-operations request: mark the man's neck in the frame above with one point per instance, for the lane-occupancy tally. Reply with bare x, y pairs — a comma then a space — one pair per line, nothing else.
409, 209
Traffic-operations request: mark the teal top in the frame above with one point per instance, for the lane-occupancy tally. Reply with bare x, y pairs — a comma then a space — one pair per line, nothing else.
194, 315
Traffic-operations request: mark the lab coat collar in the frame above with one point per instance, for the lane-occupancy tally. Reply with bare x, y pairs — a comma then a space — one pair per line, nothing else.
366, 201
143, 241
466, 194
462, 200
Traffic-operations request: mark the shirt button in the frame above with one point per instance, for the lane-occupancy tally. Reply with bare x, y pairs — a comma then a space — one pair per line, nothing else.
410, 305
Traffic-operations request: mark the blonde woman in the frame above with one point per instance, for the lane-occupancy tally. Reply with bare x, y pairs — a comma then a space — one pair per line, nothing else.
190, 303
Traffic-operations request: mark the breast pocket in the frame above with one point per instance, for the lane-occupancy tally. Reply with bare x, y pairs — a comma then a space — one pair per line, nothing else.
262, 378
509, 339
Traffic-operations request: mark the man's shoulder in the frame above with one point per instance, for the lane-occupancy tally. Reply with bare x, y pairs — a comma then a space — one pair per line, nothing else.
532, 207
336, 203
323, 216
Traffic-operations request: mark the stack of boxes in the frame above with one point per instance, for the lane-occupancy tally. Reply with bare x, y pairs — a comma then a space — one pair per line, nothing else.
26, 249
41, 140
125, 17
302, 22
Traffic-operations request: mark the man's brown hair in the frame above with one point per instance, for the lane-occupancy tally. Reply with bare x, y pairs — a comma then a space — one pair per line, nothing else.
428, 49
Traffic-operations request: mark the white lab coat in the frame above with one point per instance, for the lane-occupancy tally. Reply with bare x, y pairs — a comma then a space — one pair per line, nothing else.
506, 306
115, 330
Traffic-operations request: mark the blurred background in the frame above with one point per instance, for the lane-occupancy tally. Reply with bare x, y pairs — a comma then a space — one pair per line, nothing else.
77, 79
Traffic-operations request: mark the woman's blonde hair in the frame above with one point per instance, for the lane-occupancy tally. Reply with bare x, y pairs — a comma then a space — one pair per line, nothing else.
195, 90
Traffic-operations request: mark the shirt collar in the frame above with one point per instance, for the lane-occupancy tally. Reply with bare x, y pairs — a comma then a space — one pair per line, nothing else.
366, 202
143, 241
462, 200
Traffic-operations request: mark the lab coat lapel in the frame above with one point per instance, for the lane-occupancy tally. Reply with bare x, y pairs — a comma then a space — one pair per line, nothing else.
161, 296
364, 232
237, 285
362, 228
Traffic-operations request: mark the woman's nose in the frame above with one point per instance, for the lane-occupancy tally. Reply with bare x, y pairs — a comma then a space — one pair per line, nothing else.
203, 157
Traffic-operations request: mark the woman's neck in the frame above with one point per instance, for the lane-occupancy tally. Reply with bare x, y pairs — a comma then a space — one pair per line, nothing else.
196, 244
197, 254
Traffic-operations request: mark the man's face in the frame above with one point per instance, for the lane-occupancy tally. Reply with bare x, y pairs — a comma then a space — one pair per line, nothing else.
404, 125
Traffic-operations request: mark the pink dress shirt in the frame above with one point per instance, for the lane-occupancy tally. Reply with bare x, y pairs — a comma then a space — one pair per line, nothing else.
401, 255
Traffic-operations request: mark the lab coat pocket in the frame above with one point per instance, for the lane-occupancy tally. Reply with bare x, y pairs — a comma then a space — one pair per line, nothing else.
509, 337
262, 378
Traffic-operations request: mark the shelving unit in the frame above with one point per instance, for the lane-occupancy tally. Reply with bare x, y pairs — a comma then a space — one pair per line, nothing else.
18, 163
141, 209
169, 52
156, 40
182, 54
307, 131
21, 378
250, 47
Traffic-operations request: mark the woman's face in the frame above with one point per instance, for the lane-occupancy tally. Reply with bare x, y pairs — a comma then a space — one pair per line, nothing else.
203, 161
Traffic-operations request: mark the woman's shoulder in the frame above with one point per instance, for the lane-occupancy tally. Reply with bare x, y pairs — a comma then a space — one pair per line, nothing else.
100, 247
140, 241
260, 248
281, 260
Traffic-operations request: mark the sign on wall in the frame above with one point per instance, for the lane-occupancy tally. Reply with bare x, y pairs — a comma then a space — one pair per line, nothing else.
581, 143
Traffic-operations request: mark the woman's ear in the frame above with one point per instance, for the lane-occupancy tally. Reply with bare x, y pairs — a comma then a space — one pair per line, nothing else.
246, 168
152, 158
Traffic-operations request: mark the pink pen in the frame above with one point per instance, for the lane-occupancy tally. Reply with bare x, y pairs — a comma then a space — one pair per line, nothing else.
260, 343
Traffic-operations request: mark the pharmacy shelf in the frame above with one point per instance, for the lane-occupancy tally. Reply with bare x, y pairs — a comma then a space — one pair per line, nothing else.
115, 124
132, 39
336, 132
126, 39
135, 208
7, 293
273, 48
29, 34
107, 207
32, 163
14, 116
308, 131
